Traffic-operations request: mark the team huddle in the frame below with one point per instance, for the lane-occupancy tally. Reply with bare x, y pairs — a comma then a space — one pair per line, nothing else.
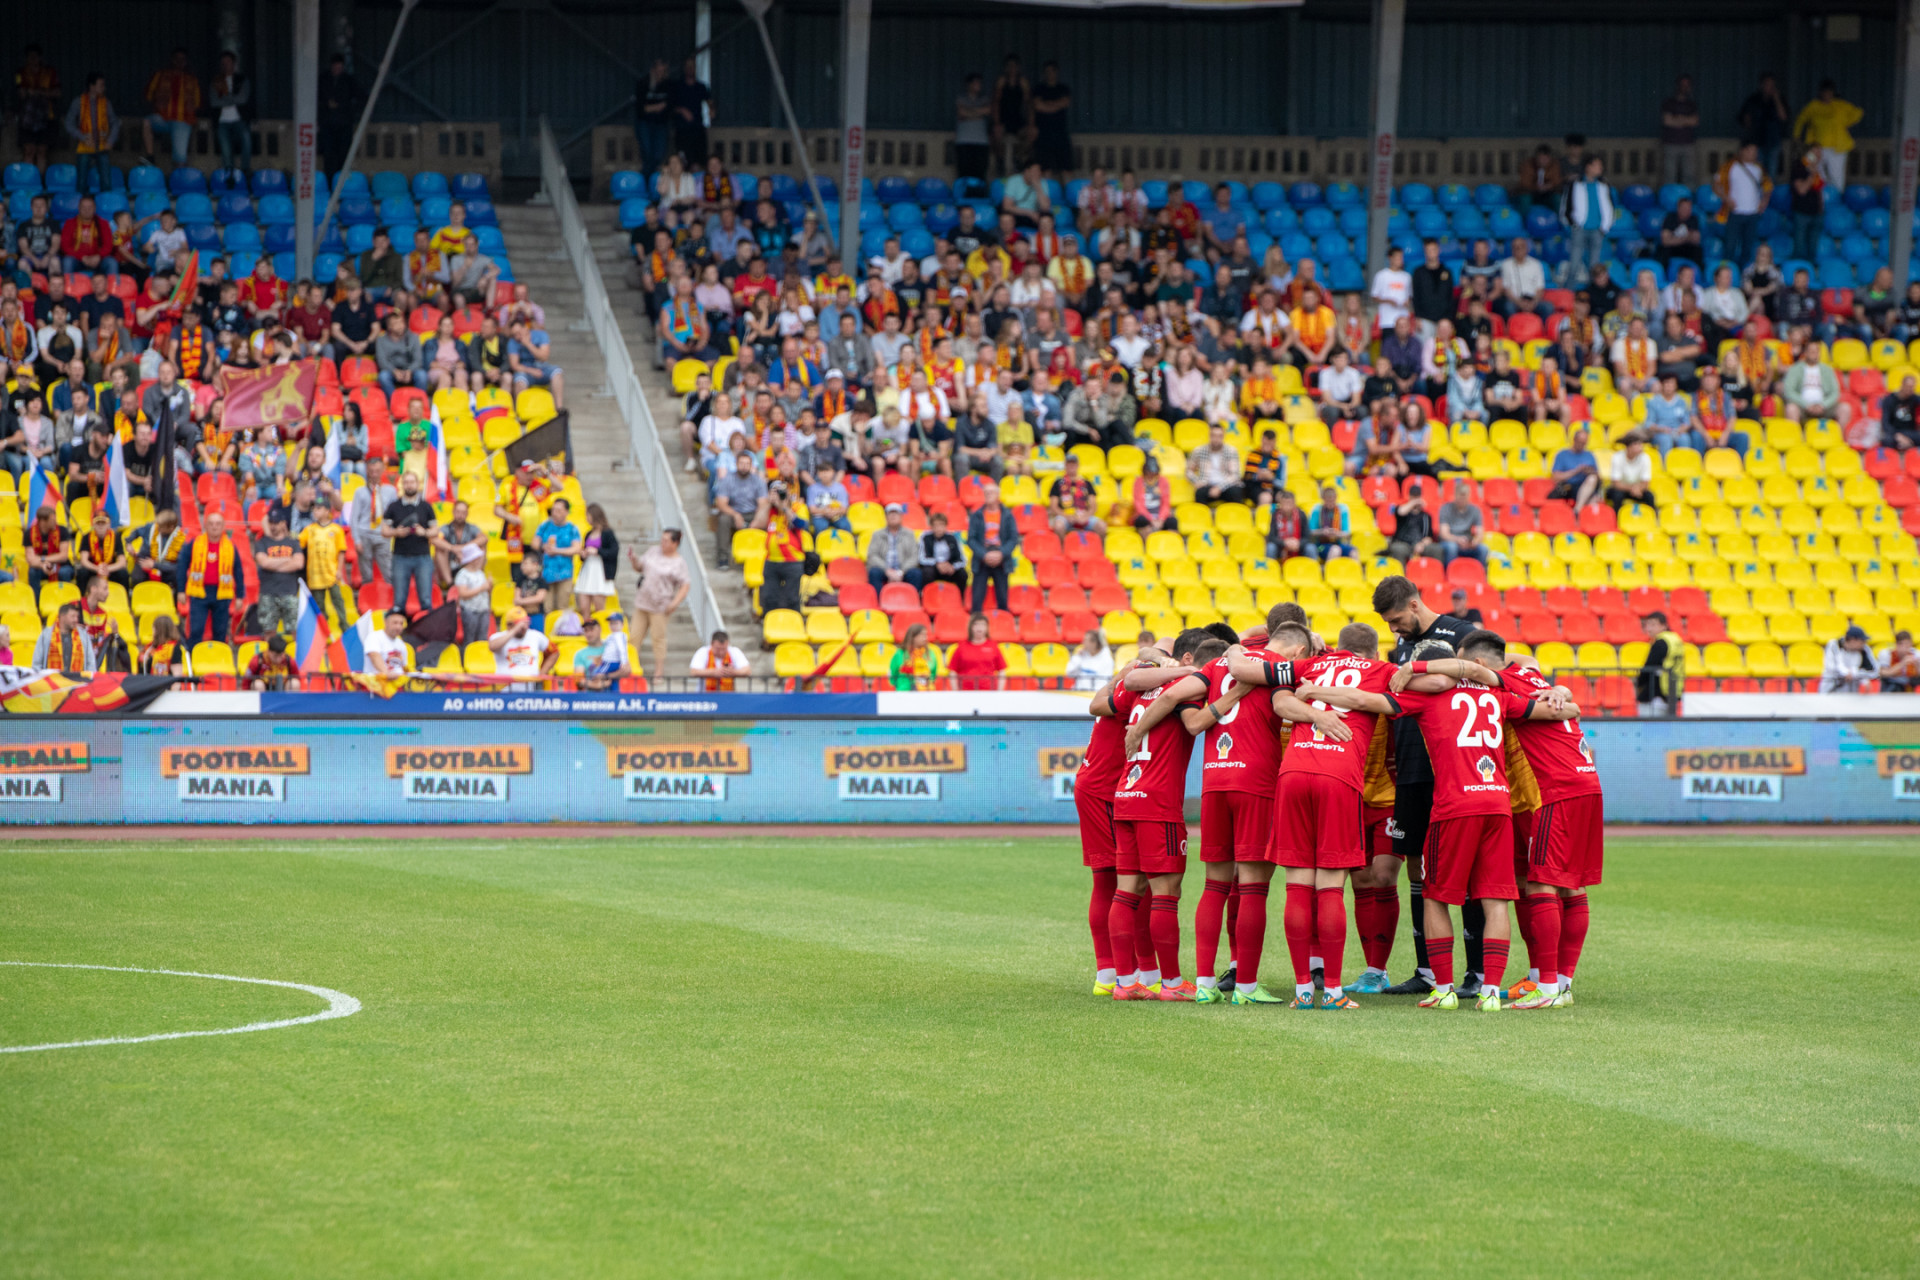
1451, 758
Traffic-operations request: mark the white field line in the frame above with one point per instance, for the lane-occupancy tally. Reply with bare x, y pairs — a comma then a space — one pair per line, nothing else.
339, 1005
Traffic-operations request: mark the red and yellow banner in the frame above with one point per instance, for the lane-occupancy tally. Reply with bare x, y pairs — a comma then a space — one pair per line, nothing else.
279, 395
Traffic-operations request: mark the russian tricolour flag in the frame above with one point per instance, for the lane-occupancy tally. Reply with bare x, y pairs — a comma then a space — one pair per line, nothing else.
439, 483
118, 501
43, 487
315, 646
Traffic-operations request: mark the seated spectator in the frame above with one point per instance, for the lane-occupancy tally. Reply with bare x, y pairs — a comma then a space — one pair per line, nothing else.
1635, 359
1016, 438
1522, 280
1576, 472
65, 646
1630, 472
86, 242
397, 352
1414, 530
521, 652
739, 502
165, 655
1266, 471
1848, 663
1900, 665
1680, 238
1678, 352
1341, 386
385, 652
1670, 418
603, 661
1460, 531
1286, 528
893, 553
272, 669
1505, 395
1329, 531
916, 665
976, 445
1091, 664
1714, 417
528, 360
718, 663
1811, 390
1461, 610
1311, 328
977, 662
1153, 499
1725, 306
991, 537
1071, 504
1546, 389
1214, 470
1900, 415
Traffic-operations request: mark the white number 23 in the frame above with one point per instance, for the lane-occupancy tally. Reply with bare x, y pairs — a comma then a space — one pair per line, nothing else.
1470, 735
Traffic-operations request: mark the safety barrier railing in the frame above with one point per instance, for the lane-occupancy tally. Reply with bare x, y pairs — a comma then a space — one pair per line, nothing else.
646, 449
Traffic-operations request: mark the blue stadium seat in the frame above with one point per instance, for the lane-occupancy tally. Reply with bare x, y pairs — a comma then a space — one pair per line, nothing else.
224, 182
401, 233
429, 184
1490, 196
1672, 193
1317, 220
335, 241
480, 213
892, 190
469, 185
276, 210
633, 213
1353, 220
828, 189
1330, 246
1412, 245
359, 238
1268, 196
1429, 222
62, 177
1415, 195
1155, 191
1834, 273
1467, 221
1838, 220
784, 187
941, 218
270, 182
1553, 251
203, 235
1399, 225
932, 191
396, 209
240, 235
63, 205
1542, 222
355, 184
326, 266
145, 177
1345, 275
917, 243
389, 183
1505, 223
904, 216
284, 264
187, 181
872, 217
873, 243
108, 203
1638, 198
491, 242
506, 269
354, 209
748, 186
1453, 196
1706, 202
1877, 223
1296, 245
866, 190
794, 212
625, 185
1857, 248
192, 209
277, 237
1198, 192
1634, 268
233, 208
1344, 195
147, 204
435, 211
1303, 195
21, 177
1280, 220
1257, 244
1859, 197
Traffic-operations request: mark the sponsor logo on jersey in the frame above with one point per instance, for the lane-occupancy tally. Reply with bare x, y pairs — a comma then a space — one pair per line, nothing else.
1133, 777
1394, 830
1486, 768
1586, 749
1223, 745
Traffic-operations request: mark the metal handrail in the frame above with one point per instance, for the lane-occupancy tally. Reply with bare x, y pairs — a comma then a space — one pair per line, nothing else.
644, 445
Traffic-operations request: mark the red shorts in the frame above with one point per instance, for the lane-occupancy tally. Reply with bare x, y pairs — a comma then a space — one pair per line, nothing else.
1373, 830
1096, 828
1235, 826
1569, 843
1470, 857
1150, 848
1316, 823
1522, 837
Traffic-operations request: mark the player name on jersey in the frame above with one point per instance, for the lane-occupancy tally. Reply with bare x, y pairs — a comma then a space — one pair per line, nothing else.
242, 774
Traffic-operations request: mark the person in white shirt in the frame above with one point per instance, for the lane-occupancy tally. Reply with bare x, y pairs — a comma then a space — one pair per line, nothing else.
386, 652
520, 651
1393, 289
1848, 663
1522, 281
718, 659
716, 434
1130, 346
1091, 665
891, 261
1268, 319
999, 395
1340, 389
1725, 305
1684, 289
1746, 193
888, 343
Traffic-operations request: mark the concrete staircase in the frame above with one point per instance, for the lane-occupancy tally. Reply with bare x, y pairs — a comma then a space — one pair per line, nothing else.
600, 442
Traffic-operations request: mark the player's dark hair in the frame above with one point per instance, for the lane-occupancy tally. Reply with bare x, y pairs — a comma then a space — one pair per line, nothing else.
1188, 641
1431, 648
1289, 634
1282, 614
1393, 594
1491, 642
1222, 632
1208, 649
1361, 639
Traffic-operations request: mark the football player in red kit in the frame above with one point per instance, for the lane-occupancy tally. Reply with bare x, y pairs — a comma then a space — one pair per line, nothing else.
1568, 844
1093, 785
1469, 845
1150, 828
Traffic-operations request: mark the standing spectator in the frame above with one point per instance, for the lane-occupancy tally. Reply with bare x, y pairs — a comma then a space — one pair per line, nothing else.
602, 662
231, 95
339, 112
740, 502
1052, 141
279, 561
363, 514
210, 572
323, 545
409, 523
1848, 663
473, 593
94, 127
1590, 216
972, 141
664, 584
599, 562
1744, 188
1392, 290
1763, 122
992, 537
1826, 123
174, 94
941, 556
784, 562
690, 105
1012, 114
1329, 533
1807, 181
977, 662
37, 100
893, 554
1679, 127
1432, 290
1540, 183
976, 445
560, 545
652, 126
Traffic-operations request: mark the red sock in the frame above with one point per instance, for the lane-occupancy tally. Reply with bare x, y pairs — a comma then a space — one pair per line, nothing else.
1440, 959
1543, 938
1250, 928
1331, 915
1494, 956
1523, 920
1166, 934
1207, 919
1098, 907
1143, 933
1573, 932
1313, 928
1233, 925
1120, 929
1298, 920
1369, 910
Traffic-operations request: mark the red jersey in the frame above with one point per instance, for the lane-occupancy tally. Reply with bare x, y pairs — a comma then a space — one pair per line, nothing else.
1346, 762
1153, 787
1242, 752
1557, 750
1464, 731
1106, 752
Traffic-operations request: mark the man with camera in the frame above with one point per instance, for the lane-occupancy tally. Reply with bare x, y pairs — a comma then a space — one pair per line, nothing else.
786, 554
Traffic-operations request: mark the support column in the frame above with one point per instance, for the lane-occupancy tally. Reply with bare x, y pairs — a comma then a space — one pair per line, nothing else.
703, 41
306, 96
856, 31
1389, 31
1906, 142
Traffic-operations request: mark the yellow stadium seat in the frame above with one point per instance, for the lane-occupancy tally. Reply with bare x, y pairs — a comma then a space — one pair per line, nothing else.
1804, 659
1822, 627
1887, 354
1125, 461
1555, 656
1221, 572
1597, 655
1849, 354
1717, 520
1531, 547
876, 659
1049, 661
1260, 573
1678, 519
1506, 435
684, 374
1722, 659
869, 626
1502, 576
1682, 462
1746, 628
783, 625
1165, 544
1802, 462
1176, 573
1121, 626
213, 658
793, 658
1766, 660
1786, 627
1546, 574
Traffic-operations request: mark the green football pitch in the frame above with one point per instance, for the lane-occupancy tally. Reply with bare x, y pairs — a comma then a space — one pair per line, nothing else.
870, 1056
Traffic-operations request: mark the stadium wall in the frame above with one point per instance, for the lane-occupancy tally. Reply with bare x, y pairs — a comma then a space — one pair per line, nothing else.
645, 768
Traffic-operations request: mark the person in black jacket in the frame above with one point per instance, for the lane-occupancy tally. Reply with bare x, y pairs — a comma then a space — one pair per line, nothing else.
1432, 290
941, 556
340, 103
992, 537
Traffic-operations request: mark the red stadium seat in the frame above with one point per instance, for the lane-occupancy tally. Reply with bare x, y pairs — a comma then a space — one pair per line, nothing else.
1579, 628
1499, 491
1556, 518
1645, 600
1702, 628
894, 487
1075, 625
1524, 326
1425, 570
1066, 599
1080, 546
1597, 518
1030, 518
1437, 596
1024, 599
1002, 626
1464, 571
1606, 600
1524, 600
1041, 544
846, 571
1620, 628
973, 492
896, 596
1537, 628
942, 597
1052, 573
1378, 490
1513, 519
1900, 491
1458, 486
1039, 627
1690, 601
1096, 573
859, 488
935, 490
949, 626
855, 596
907, 618
1112, 599
1564, 600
